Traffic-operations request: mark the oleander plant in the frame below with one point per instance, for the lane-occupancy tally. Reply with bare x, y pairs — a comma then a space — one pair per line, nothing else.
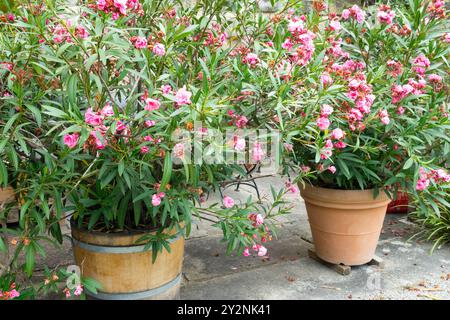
116, 115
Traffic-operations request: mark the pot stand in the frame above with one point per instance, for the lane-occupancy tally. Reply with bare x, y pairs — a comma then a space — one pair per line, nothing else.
342, 268
238, 182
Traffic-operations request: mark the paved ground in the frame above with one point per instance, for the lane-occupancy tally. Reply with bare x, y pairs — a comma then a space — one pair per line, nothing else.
410, 271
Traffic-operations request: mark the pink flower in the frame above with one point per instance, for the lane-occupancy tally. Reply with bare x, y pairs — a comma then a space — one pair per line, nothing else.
81, 32
156, 199
258, 153
323, 123
287, 44
291, 187
183, 96
400, 110
151, 104
326, 110
178, 150
305, 169
140, 43
335, 25
326, 79
434, 78
355, 12
122, 6
385, 15
421, 63
345, 14
422, 184
288, 146
246, 252
101, 4
340, 145
92, 118
259, 219
71, 140
228, 202
13, 294
296, 26
251, 59
144, 149
149, 123
384, 117
447, 37
241, 121
262, 251
99, 142
159, 49
78, 291
120, 126
67, 292
166, 89
332, 169
107, 110
239, 143
337, 134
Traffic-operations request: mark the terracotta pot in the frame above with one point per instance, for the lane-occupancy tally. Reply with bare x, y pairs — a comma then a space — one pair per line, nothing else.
345, 224
124, 270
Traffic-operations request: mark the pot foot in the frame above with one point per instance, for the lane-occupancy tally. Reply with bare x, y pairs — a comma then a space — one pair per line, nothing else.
342, 268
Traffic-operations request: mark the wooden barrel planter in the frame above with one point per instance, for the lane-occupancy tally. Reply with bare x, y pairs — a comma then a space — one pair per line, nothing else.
124, 269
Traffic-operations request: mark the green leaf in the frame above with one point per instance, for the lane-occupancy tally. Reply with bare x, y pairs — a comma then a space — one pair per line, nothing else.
72, 83
167, 171
2, 245
52, 111
29, 259
408, 163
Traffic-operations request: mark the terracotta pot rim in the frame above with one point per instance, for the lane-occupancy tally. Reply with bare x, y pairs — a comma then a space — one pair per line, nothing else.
343, 199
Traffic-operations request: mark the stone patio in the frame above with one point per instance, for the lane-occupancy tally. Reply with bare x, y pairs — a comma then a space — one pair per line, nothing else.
410, 272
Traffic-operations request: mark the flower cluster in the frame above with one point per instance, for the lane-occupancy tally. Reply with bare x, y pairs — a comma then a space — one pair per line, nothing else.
118, 7
354, 12
9, 294
385, 15
62, 34
75, 292
302, 41
439, 176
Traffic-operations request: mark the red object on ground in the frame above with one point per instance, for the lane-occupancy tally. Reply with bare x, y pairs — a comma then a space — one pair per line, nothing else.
400, 205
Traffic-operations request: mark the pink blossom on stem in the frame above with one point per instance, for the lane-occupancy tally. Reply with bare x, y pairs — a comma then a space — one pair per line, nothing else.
159, 49
246, 252
166, 89
323, 123
337, 134
92, 118
228, 202
183, 96
78, 290
262, 251
257, 152
178, 150
140, 43
151, 104
71, 140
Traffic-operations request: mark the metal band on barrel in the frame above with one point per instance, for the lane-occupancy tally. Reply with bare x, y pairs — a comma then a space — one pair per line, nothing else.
136, 295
